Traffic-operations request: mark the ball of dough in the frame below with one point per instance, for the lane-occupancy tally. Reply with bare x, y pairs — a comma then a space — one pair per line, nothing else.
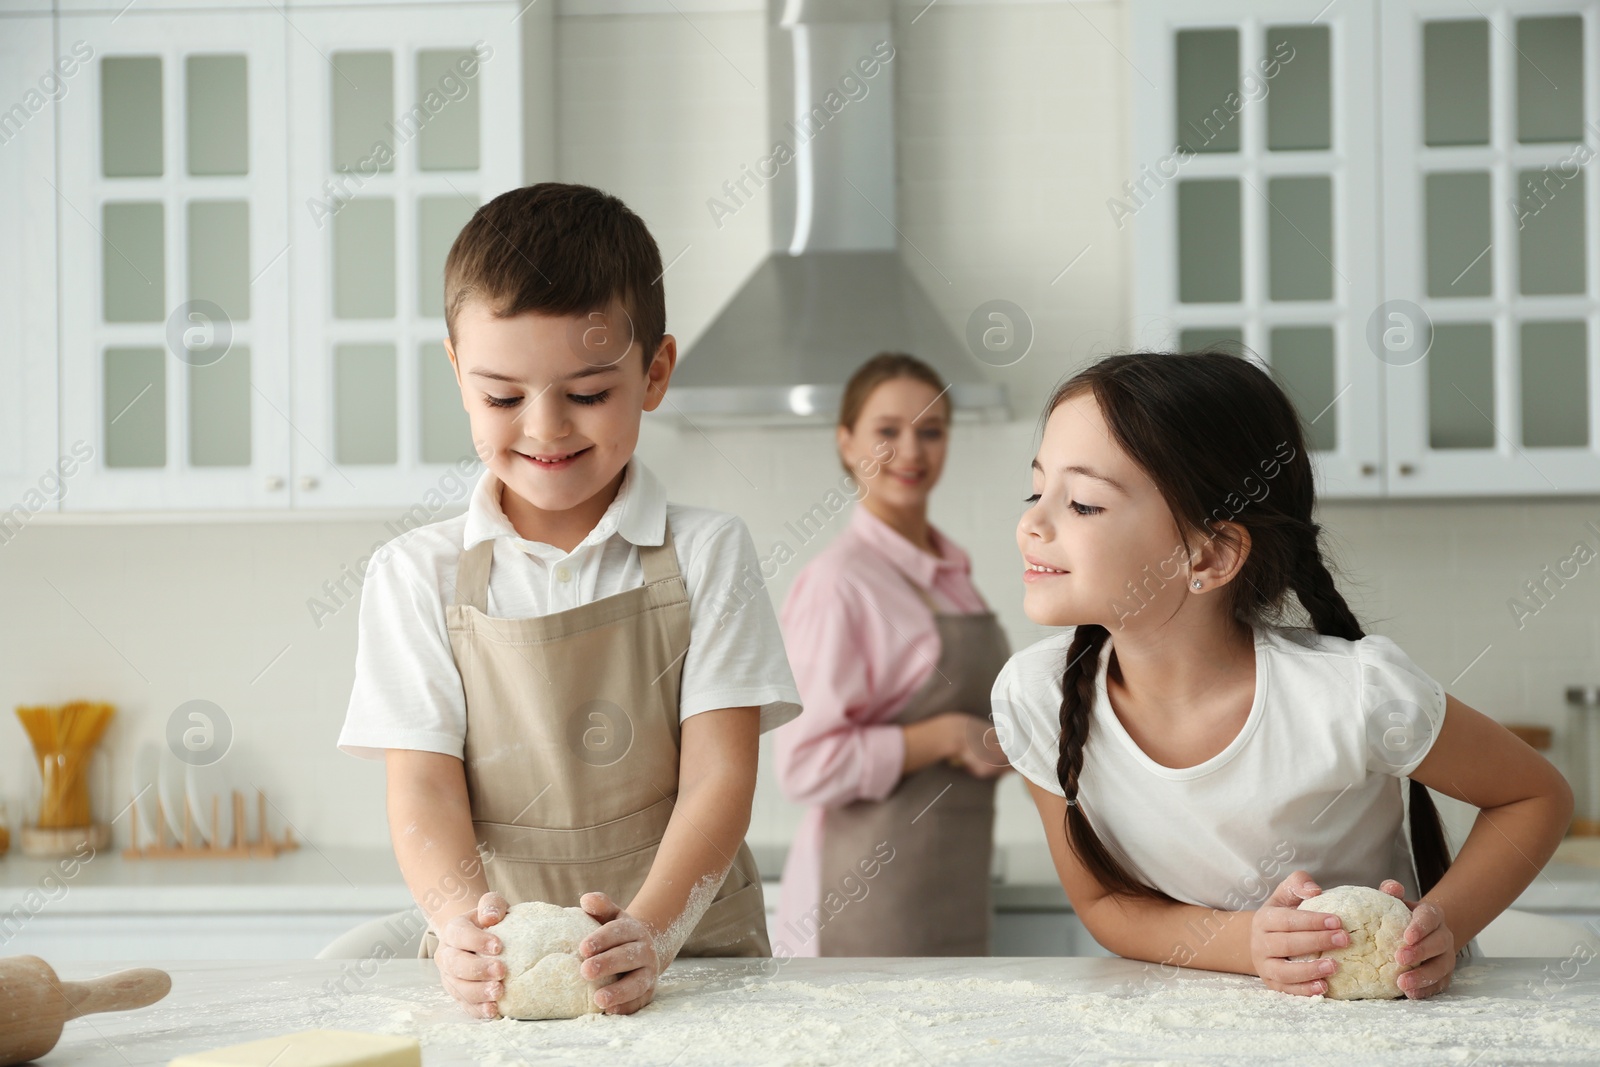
1375, 922
539, 946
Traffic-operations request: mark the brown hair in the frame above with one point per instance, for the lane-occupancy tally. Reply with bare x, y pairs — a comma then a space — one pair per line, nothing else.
558, 250
1201, 425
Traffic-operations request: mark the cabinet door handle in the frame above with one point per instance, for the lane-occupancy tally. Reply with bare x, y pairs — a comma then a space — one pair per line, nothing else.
308, 481
1408, 468
274, 482
1369, 469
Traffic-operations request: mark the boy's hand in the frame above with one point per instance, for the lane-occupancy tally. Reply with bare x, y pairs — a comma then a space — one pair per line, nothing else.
1428, 943
467, 961
623, 946
1281, 928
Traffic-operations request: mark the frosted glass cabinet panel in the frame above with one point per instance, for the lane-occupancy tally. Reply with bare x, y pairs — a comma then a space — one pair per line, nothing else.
133, 262
361, 103
1455, 81
363, 259
217, 114
399, 157
1300, 104
1209, 269
1550, 79
1255, 233
172, 150
131, 133
1489, 233
1207, 62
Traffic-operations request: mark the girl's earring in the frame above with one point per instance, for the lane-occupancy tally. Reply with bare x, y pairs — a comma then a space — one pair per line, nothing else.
1196, 583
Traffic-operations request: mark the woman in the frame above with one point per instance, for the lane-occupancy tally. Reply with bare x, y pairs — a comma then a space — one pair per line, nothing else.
894, 653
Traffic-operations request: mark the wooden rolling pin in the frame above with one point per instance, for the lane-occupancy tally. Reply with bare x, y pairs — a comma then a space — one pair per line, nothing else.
35, 1004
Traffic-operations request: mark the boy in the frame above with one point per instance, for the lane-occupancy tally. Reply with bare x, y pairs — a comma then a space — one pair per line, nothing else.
547, 677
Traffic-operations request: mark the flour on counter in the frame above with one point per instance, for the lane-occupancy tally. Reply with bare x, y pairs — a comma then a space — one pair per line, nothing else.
702, 1017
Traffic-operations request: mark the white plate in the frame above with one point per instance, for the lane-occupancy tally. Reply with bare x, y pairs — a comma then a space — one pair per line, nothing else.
172, 787
146, 771
203, 783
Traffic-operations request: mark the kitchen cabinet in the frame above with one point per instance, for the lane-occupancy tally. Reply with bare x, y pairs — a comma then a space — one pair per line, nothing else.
107, 907
256, 204
32, 78
1488, 137
174, 313
1431, 306
1252, 201
404, 136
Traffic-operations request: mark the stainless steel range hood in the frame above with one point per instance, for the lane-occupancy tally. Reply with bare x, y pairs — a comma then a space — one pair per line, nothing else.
834, 290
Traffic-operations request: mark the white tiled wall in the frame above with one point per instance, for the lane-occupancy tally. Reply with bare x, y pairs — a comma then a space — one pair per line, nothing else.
1011, 139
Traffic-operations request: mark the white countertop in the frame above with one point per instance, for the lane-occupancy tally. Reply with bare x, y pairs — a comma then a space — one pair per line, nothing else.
366, 880
884, 1012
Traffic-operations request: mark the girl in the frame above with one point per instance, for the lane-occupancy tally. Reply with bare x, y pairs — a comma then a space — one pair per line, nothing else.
894, 653
1185, 748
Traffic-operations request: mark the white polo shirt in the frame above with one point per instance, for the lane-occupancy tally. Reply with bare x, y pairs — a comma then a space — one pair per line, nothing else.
1314, 779
408, 692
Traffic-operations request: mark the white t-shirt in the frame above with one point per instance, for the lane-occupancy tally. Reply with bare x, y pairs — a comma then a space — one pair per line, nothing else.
1314, 779
408, 691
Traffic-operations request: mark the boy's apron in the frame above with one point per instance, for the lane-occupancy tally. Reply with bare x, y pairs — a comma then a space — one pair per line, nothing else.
932, 898
572, 747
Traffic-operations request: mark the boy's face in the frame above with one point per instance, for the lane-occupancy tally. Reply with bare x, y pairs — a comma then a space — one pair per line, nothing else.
555, 400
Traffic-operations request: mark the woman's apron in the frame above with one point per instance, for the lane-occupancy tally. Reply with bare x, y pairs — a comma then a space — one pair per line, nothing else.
572, 747
932, 898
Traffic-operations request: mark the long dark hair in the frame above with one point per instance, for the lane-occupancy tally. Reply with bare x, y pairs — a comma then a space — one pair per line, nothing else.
1223, 443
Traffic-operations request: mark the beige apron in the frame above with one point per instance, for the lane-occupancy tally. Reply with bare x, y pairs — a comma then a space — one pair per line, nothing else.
932, 898
572, 747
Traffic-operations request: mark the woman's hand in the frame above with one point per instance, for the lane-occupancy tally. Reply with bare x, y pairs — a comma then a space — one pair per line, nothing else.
466, 957
623, 946
1281, 929
962, 740
1428, 943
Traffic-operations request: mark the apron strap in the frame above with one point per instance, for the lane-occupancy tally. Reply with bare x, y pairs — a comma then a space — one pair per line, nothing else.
472, 576
660, 562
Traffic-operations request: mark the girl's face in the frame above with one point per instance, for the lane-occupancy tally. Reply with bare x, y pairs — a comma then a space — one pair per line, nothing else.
1098, 540
554, 400
897, 447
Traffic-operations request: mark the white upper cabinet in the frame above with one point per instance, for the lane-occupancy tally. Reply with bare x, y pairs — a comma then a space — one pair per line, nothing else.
1489, 138
1252, 203
1457, 292
404, 126
254, 207
174, 280
32, 78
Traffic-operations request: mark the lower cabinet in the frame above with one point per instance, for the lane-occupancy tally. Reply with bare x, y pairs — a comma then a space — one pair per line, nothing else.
1041, 933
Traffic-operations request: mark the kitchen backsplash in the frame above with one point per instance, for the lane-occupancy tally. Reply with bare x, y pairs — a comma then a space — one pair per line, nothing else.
1011, 139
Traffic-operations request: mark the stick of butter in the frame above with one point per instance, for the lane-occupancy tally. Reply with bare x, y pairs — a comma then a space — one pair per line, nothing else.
313, 1048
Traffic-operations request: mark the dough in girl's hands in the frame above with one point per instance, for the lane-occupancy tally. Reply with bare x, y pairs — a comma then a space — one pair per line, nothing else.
1376, 923
539, 947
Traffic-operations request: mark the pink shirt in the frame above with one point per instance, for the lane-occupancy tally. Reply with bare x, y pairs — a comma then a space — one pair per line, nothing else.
861, 642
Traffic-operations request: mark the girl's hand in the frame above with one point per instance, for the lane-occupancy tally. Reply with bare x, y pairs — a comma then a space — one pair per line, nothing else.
466, 957
1281, 928
1428, 943
623, 946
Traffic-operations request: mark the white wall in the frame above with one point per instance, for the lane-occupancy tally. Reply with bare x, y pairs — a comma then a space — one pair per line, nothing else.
1011, 138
